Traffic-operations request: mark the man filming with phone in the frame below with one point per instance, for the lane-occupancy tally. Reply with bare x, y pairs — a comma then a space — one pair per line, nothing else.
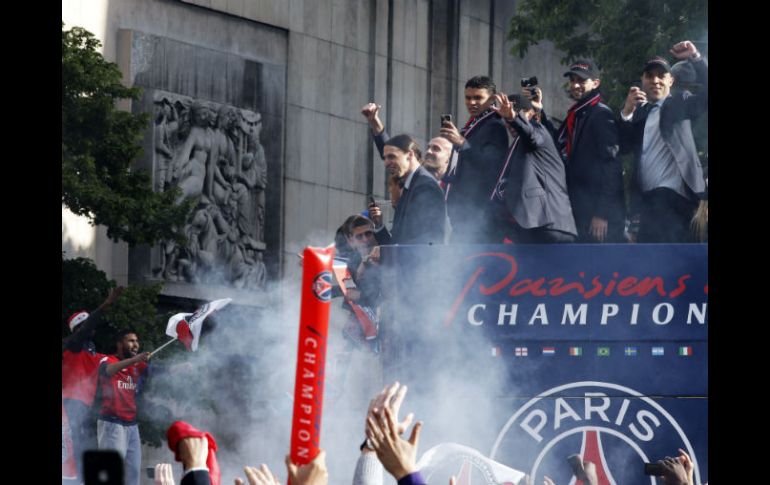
480, 150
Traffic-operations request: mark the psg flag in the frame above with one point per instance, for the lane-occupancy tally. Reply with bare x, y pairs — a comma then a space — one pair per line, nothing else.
470, 466
186, 327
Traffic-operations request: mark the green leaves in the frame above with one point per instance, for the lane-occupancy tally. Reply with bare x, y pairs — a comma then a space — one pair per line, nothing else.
99, 143
618, 35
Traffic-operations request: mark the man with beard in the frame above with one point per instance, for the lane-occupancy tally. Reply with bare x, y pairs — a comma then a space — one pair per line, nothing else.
119, 377
420, 216
588, 144
436, 159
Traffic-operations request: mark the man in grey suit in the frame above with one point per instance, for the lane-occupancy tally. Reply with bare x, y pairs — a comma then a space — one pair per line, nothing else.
667, 178
535, 193
421, 211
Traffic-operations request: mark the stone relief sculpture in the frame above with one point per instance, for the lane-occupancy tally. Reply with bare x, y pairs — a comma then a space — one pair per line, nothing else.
213, 154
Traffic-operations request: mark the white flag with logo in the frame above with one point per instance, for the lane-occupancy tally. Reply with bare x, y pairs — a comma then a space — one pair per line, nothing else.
449, 459
187, 326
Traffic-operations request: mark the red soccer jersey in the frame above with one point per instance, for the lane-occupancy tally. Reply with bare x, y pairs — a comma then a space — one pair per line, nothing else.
119, 391
79, 375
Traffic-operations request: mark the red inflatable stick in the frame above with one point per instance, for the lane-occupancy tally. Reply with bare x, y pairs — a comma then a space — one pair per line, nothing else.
311, 354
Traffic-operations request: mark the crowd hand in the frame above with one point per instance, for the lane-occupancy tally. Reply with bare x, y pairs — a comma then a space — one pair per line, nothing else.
397, 455
535, 97
375, 214
113, 295
674, 472
258, 476
391, 397
314, 473
547, 481
688, 465
371, 112
504, 106
586, 471
374, 255
684, 50
164, 474
451, 133
193, 452
589, 473
634, 98
143, 357
598, 228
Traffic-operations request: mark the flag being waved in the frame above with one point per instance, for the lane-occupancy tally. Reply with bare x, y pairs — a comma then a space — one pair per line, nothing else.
187, 326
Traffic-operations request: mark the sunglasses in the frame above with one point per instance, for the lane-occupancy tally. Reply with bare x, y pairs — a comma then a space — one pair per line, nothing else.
363, 235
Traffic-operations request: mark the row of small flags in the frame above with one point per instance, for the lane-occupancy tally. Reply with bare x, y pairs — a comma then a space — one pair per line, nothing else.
628, 351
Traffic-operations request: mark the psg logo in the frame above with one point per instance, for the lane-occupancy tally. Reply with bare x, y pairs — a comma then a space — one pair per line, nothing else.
322, 286
615, 427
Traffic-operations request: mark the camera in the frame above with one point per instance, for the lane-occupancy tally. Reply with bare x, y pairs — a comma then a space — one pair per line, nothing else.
528, 82
653, 469
446, 118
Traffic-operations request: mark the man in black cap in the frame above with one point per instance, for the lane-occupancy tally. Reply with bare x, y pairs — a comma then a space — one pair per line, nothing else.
667, 178
535, 192
588, 144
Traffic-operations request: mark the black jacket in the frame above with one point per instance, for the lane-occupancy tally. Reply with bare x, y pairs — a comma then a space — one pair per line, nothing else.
420, 214
479, 164
594, 173
197, 477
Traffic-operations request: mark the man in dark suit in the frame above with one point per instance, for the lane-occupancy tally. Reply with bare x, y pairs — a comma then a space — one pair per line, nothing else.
667, 178
481, 148
588, 144
535, 193
436, 157
421, 212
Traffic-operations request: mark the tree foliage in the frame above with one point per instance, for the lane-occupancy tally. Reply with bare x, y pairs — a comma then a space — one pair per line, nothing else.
620, 35
99, 143
85, 287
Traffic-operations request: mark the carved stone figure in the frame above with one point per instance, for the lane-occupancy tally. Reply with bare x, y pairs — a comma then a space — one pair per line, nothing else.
212, 153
